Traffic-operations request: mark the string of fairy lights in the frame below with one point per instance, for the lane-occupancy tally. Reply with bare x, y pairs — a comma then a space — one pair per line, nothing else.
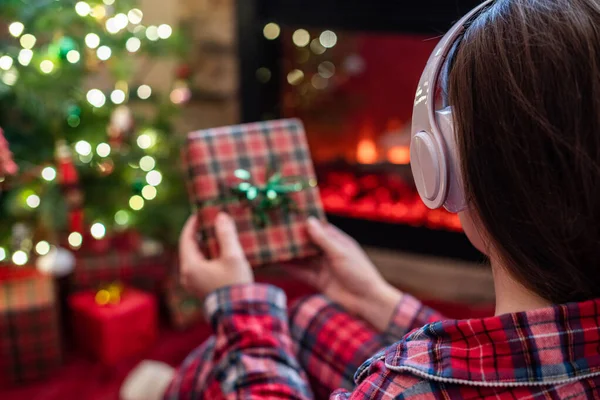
129, 23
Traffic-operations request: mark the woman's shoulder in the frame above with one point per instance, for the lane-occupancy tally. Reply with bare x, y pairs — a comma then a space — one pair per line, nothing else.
555, 348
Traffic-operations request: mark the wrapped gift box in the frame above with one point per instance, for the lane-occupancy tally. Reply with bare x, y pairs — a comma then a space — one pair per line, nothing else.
262, 175
184, 308
30, 345
114, 332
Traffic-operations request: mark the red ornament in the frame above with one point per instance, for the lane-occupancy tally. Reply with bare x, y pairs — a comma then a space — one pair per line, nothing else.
76, 220
7, 165
183, 71
67, 173
68, 179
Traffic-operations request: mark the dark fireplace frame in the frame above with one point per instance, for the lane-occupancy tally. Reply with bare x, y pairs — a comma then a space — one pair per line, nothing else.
260, 101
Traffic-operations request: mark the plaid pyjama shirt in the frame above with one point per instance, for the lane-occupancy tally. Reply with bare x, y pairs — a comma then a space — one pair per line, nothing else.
262, 351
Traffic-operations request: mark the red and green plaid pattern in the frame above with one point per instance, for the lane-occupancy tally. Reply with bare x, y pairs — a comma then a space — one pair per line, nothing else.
262, 351
327, 344
30, 345
184, 308
212, 156
133, 268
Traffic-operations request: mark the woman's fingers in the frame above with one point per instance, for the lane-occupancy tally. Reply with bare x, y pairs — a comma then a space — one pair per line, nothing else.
339, 236
321, 238
187, 240
227, 236
190, 256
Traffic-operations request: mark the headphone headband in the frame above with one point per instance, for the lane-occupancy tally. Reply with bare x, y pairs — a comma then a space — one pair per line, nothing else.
434, 161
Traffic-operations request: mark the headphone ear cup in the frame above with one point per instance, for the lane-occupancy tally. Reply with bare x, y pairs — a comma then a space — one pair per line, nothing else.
455, 200
428, 165
435, 166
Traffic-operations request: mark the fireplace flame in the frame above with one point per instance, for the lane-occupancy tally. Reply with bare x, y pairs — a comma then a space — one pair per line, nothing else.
366, 152
399, 155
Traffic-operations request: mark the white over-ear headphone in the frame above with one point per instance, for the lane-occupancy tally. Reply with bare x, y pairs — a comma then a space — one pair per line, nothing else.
433, 155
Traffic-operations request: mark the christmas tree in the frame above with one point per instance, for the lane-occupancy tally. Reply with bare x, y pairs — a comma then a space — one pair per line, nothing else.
95, 144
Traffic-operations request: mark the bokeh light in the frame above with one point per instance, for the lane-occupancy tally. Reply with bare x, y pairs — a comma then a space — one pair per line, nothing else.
92, 40
103, 149
136, 202
154, 178
33, 201
16, 29
82, 8
133, 44
147, 163
83, 148
25, 56
301, 38
73, 56
75, 239
328, 39
42, 248
165, 31
19, 257
135, 16
117, 96
98, 230
96, 98
28, 41
149, 192
295, 76
144, 92
104, 53
49, 174
271, 31
6, 63
122, 217
47, 66
152, 33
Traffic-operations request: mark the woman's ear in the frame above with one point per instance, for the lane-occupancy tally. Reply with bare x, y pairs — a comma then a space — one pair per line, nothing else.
474, 231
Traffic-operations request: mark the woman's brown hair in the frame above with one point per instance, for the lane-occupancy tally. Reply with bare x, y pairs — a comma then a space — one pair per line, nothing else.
525, 89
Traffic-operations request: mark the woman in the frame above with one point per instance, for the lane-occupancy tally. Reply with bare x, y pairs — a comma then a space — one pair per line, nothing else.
522, 168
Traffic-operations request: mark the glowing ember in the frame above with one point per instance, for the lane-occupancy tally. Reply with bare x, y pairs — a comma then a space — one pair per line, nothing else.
366, 152
399, 155
381, 197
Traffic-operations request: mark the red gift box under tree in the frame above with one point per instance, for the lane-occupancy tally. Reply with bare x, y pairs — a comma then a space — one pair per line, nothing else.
262, 175
114, 332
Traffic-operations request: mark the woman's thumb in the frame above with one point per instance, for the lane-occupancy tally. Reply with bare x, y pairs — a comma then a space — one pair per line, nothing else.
318, 234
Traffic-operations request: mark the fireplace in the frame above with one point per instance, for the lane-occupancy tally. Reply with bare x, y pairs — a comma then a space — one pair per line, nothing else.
349, 71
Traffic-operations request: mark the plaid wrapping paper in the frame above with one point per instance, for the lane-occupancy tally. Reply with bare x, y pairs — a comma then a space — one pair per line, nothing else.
212, 156
133, 268
184, 308
30, 345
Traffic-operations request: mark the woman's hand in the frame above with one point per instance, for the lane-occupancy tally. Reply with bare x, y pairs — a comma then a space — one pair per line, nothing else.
347, 276
202, 276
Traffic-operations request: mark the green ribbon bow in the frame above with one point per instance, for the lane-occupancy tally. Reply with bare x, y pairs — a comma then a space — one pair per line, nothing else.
274, 194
